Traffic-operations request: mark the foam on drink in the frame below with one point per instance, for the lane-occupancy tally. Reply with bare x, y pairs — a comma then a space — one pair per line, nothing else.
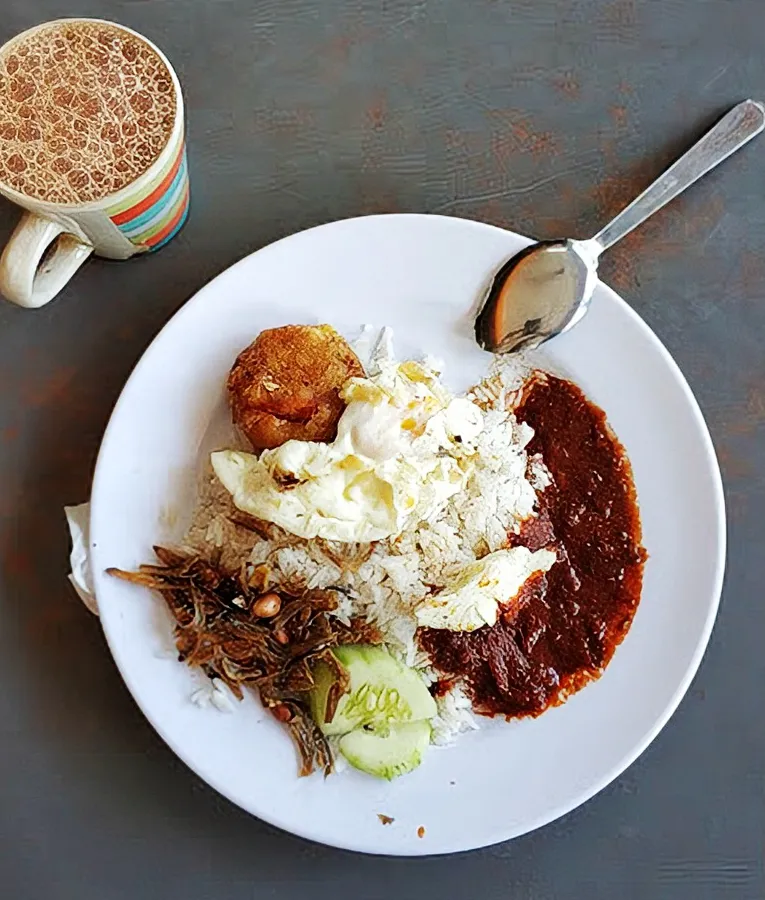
85, 109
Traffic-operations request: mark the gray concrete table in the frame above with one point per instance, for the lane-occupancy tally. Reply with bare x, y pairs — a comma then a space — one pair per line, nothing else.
540, 115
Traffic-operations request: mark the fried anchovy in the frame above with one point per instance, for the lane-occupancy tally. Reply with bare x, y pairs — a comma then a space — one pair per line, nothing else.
217, 630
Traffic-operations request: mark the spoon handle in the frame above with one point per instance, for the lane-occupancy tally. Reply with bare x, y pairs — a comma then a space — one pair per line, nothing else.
740, 125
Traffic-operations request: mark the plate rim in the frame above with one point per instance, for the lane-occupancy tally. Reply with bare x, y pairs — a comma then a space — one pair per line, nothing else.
720, 528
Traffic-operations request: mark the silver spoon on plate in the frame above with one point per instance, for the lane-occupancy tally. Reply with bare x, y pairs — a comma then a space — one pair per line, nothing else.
546, 289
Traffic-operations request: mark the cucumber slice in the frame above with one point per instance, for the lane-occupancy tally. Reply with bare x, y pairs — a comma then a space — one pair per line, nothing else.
387, 755
383, 692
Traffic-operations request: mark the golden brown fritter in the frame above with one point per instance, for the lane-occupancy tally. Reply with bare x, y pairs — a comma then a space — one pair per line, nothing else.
286, 385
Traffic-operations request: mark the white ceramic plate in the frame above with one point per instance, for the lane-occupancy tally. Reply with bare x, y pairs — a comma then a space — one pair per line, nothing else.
421, 275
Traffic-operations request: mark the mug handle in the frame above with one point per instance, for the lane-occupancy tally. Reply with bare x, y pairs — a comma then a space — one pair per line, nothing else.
27, 279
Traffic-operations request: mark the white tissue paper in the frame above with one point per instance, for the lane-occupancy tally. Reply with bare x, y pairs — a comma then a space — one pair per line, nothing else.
81, 577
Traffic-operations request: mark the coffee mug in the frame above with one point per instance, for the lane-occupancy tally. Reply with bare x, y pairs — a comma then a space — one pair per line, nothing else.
54, 237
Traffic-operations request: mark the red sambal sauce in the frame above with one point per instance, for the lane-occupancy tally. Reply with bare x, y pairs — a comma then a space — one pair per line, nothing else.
572, 618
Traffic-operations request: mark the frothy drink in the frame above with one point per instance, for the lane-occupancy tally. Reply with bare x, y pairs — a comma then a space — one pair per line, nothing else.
85, 109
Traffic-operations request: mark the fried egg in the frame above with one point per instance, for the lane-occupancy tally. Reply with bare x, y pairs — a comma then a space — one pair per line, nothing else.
403, 448
476, 594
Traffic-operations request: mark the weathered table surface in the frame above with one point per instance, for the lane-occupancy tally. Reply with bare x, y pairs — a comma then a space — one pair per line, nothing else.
540, 115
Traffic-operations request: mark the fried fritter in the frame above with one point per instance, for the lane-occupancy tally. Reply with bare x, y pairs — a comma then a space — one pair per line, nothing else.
286, 385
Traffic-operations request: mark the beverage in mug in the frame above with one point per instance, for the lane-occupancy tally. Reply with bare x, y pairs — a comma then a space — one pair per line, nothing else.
92, 148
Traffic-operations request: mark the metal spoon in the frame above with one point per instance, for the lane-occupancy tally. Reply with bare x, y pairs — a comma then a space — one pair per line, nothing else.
546, 289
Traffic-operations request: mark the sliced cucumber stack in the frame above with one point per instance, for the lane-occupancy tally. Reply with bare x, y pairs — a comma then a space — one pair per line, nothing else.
382, 718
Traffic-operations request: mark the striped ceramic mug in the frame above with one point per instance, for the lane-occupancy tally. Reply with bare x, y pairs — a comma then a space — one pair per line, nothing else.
53, 239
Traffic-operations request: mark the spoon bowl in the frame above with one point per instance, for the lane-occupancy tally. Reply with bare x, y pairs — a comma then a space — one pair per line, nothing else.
531, 296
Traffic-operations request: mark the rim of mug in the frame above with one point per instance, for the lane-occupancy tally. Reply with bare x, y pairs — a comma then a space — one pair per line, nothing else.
170, 146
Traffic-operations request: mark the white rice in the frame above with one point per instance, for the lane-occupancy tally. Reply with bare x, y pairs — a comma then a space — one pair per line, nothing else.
385, 582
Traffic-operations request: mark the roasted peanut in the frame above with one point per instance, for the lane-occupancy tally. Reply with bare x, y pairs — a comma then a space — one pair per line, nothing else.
281, 712
267, 606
